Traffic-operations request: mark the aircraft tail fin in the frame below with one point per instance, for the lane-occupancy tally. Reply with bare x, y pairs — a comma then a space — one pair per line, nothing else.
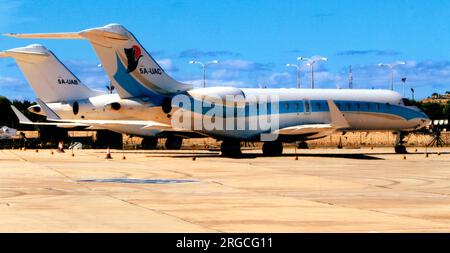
131, 68
49, 78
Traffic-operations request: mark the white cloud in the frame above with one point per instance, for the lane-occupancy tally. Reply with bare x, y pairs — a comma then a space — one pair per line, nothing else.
213, 82
9, 13
281, 78
242, 65
225, 74
6, 81
167, 64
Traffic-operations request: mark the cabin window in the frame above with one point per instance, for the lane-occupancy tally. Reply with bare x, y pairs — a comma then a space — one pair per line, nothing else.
296, 107
287, 106
339, 105
388, 106
318, 106
358, 106
378, 106
368, 106
307, 106
348, 106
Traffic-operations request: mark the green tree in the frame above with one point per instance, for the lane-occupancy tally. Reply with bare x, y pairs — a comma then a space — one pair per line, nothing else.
433, 110
447, 110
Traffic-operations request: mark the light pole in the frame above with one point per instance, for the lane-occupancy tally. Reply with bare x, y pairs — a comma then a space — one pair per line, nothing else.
391, 66
298, 68
311, 63
404, 85
204, 68
110, 87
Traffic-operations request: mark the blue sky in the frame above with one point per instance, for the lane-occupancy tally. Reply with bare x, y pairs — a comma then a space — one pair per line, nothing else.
253, 40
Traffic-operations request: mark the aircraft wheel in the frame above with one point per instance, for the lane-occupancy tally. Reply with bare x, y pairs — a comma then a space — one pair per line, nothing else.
273, 148
400, 149
303, 145
174, 142
230, 148
149, 143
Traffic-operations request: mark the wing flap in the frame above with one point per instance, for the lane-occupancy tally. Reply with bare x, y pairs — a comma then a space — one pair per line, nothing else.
305, 129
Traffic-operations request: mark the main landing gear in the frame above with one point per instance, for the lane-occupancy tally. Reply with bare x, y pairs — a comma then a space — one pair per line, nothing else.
231, 148
174, 142
272, 148
302, 145
149, 143
399, 143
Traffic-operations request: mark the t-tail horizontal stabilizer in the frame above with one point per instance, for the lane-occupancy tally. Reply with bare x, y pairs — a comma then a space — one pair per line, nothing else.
132, 70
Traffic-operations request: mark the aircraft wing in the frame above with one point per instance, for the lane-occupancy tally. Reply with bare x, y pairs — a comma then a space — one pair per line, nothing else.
305, 129
337, 119
26, 121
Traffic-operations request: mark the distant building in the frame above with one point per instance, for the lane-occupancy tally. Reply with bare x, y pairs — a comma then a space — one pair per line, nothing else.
438, 98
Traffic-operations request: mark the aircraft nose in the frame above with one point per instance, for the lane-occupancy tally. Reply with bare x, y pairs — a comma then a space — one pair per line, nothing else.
425, 120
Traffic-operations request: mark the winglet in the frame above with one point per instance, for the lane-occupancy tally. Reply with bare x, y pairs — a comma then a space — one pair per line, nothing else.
338, 120
51, 115
22, 118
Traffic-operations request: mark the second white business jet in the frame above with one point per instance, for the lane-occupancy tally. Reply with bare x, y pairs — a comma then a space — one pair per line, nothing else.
79, 105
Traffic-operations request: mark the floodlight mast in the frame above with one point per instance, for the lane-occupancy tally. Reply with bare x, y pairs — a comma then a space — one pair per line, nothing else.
298, 68
311, 63
204, 68
391, 66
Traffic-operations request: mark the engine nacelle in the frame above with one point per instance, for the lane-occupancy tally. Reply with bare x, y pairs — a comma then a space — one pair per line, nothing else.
114, 106
36, 109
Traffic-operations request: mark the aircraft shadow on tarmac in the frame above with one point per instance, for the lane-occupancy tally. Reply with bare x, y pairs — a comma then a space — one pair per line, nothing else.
253, 156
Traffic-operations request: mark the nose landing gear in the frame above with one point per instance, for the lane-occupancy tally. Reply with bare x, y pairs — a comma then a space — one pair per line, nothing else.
399, 143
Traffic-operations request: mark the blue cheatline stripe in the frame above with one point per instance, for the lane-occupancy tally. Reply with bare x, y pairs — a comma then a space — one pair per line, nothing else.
297, 106
132, 86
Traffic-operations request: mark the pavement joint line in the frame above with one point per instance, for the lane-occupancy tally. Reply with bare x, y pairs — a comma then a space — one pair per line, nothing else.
327, 203
405, 186
161, 212
117, 198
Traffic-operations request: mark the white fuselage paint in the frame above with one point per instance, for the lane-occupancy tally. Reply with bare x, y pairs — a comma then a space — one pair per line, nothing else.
359, 120
370, 110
